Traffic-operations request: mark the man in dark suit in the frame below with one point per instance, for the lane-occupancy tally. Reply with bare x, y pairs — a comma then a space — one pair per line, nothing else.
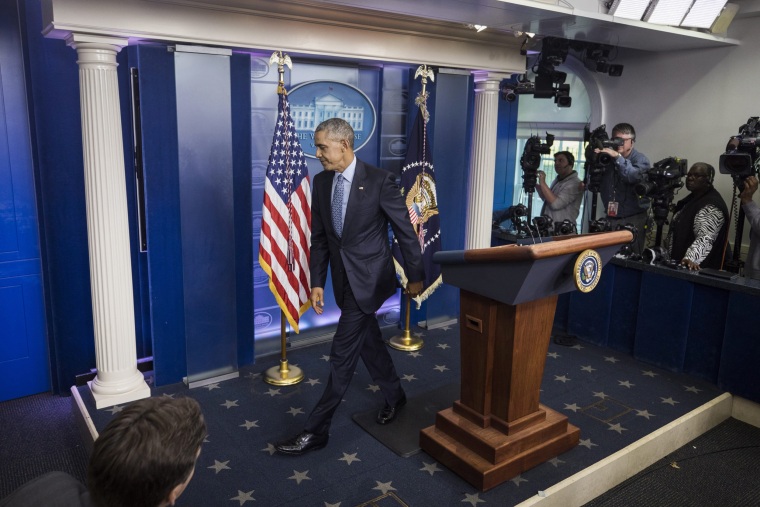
352, 205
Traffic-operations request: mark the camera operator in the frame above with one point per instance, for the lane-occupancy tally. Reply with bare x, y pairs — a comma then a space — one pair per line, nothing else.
562, 201
752, 212
629, 166
699, 225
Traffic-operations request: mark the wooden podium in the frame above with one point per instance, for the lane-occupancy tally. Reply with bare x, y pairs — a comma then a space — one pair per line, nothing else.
498, 428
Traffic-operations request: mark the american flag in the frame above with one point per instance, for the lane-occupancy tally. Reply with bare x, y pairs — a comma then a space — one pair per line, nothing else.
286, 222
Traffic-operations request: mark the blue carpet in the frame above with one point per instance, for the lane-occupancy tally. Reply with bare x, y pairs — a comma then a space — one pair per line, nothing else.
613, 399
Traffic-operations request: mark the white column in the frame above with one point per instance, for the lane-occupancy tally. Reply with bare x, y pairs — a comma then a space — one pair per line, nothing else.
482, 160
118, 379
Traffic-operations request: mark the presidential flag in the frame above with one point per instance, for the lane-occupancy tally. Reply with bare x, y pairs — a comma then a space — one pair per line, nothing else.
286, 222
418, 188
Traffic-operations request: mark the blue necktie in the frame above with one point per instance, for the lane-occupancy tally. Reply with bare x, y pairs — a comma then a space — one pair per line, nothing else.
337, 206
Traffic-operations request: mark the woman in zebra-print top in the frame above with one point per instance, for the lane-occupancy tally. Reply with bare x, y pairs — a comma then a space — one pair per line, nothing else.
699, 226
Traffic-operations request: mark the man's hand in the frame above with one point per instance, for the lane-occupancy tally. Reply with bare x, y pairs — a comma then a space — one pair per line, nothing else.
609, 151
541, 177
693, 266
750, 187
317, 299
414, 288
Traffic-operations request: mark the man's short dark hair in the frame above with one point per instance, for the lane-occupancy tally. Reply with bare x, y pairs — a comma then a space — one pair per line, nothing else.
569, 156
146, 451
337, 130
624, 128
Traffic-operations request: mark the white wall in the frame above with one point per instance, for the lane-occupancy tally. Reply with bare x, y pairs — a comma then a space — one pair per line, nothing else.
688, 103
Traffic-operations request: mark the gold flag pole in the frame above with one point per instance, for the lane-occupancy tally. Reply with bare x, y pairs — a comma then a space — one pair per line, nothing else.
406, 341
285, 374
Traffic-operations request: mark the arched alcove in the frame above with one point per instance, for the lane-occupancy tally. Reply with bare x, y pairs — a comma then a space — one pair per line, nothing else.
537, 117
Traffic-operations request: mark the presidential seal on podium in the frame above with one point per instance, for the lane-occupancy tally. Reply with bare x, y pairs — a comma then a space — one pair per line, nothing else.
588, 270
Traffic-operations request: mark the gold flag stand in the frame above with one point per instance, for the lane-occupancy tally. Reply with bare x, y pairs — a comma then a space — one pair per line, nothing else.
285, 374
405, 341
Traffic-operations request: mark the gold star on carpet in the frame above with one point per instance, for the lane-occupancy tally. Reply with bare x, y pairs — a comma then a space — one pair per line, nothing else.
243, 497
473, 499
431, 468
349, 458
300, 476
218, 466
384, 487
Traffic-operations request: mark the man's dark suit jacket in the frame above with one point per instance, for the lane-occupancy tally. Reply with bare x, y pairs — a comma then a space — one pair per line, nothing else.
54, 489
364, 250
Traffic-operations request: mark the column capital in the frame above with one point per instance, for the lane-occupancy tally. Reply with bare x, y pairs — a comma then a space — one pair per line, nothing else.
77, 40
482, 76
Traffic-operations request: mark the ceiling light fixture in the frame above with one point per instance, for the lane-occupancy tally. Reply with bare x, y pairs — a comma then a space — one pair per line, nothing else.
703, 13
670, 12
629, 9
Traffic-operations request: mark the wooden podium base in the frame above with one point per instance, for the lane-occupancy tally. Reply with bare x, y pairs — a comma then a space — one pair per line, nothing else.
508, 296
486, 457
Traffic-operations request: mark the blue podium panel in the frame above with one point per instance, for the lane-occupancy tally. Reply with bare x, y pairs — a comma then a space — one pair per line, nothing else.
662, 325
624, 309
740, 356
589, 314
206, 213
707, 324
562, 312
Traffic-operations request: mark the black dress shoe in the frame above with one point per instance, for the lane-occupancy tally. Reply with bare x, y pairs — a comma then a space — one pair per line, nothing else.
388, 413
301, 443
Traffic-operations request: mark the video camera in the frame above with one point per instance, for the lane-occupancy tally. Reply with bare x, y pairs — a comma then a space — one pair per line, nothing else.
742, 153
517, 215
597, 163
662, 180
599, 225
543, 225
664, 176
531, 160
564, 228
604, 225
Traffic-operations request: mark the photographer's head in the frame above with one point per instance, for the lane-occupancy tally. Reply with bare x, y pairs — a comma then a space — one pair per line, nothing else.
626, 133
146, 454
563, 163
700, 177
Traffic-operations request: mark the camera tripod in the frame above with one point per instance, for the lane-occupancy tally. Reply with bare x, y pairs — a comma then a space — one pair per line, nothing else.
660, 208
735, 264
